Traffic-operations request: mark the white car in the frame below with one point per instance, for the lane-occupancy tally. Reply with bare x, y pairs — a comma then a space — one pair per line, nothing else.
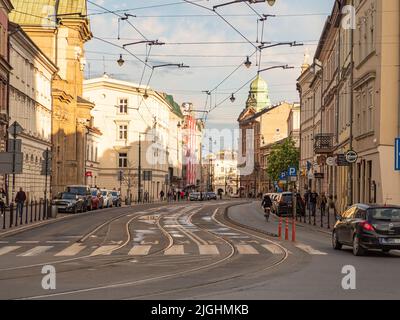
107, 198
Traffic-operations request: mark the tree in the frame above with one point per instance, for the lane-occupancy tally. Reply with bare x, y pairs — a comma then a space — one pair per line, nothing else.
283, 156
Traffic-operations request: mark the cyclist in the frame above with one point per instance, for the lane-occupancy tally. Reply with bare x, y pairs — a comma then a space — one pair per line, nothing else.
266, 204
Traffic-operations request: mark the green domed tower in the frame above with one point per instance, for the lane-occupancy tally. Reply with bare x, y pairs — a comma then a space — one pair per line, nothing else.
258, 95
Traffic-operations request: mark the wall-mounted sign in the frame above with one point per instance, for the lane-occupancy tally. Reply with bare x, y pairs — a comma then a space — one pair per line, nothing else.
351, 156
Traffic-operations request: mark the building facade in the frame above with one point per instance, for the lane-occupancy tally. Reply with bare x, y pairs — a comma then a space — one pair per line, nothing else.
141, 131
31, 106
61, 28
355, 108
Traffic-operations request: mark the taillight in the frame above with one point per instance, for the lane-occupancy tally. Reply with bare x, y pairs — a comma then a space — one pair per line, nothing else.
367, 226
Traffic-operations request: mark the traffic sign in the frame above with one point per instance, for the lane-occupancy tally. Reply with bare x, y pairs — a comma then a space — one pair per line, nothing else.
331, 161
283, 175
14, 145
15, 129
351, 156
397, 154
6, 162
292, 172
341, 160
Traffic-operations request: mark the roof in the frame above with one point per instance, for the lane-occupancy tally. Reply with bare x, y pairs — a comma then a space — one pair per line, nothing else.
36, 12
175, 107
258, 84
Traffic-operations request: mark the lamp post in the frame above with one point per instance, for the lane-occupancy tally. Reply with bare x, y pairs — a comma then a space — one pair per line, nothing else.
270, 2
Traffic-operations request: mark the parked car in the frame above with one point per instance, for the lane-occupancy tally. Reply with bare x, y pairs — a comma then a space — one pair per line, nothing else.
194, 196
117, 200
366, 227
211, 196
97, 199
84, 193
107, 198
68, 202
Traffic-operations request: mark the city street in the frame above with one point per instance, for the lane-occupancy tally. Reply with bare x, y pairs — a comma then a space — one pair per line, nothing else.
186, 251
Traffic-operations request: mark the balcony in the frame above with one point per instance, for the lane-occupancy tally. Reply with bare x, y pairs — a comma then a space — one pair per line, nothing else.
323, 143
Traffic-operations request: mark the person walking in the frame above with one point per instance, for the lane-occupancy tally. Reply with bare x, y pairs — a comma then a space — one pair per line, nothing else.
162, 195
3, 199
313, 202
20, 199
322, 203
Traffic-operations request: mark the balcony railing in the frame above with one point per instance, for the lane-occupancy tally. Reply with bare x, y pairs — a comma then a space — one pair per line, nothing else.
323, 143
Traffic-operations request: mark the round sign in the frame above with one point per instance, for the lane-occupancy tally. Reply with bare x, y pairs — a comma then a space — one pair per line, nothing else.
351, 156
331, 161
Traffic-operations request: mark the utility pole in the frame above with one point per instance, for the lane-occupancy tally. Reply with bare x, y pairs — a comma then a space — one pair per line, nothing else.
350, 176
140, 170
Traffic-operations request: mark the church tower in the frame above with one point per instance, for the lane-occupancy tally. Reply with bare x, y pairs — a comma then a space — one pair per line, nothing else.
258, 95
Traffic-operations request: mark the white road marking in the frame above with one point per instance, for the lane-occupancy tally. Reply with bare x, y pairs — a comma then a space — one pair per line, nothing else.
272, 248
208, 250
139, 250
27, 242
71, 250
57, 241
175, 250
310, 250
8, 249
35, 251
246, 249
3, 242
103, 251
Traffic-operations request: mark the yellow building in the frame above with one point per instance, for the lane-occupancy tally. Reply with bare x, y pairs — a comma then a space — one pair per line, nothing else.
60, 29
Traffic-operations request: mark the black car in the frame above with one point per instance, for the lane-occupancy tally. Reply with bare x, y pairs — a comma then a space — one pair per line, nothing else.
211, 196
282, 204
68, 202
84, 193
367, 227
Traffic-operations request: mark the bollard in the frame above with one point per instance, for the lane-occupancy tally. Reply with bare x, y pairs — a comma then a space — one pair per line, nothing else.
16, 215
27, 204
287, 229
26, 212
32, 203
3, 211
11, 214
329, 220
21, 214
280, 228
294, 231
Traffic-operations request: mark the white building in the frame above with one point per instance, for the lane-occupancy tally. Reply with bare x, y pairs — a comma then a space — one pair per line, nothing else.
125, 113
31, 107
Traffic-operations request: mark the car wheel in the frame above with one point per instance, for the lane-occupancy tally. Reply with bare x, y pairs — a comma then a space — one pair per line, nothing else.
75, 210
385, 250
335, 242
357, 249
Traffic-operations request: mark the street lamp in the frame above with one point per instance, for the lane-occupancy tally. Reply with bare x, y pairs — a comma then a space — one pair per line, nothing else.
149, 42
145, 95
247, 63
233, 98
120, 61
285, 67
270, 2
179, 65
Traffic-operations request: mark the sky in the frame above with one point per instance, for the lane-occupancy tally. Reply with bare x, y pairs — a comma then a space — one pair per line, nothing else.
201, 39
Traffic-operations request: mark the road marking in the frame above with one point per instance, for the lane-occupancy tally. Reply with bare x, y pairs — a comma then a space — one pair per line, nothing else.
246, 249
103, 251
3, 242
208, 249
71, 250
310, 250
8, 249
142, 250
27, 242
272, 248
57, 241
35, 251
174, 250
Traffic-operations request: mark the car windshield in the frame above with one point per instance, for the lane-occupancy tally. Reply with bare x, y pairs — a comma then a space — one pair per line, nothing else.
115, 194
104, 193
66, 196
77, 190
385, 214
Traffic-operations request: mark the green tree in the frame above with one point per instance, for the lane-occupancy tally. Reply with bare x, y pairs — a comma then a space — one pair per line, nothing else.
282, 156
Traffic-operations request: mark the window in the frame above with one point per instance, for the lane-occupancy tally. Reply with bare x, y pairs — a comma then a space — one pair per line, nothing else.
122, 160
123, 106
123, 132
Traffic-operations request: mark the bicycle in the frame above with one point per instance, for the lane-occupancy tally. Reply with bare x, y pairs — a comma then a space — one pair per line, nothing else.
267, 212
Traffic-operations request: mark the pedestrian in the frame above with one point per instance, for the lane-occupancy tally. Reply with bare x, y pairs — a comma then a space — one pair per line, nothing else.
20, 199
3, 198
322, 203
162, 195
182, 195
313, 202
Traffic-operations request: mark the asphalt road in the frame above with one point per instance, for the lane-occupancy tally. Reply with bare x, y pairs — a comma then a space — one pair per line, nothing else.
186, 251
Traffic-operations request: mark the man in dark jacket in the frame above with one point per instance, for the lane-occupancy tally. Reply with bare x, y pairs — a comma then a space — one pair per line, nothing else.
20, 199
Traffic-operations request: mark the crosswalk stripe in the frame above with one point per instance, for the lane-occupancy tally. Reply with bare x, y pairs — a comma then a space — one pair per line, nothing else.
8, 249
174, 250
310, 250
272, 248
246, 249
142, 250
35, 251
103, 251
208, 249
71, 250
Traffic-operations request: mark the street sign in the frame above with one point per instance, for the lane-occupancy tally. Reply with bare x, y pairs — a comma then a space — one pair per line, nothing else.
6, 162
14, 145
15, 129
341, 160
293, 179
397, 154
283, 175
46, 169
351, 156
331, 161
292, 172
319, 175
